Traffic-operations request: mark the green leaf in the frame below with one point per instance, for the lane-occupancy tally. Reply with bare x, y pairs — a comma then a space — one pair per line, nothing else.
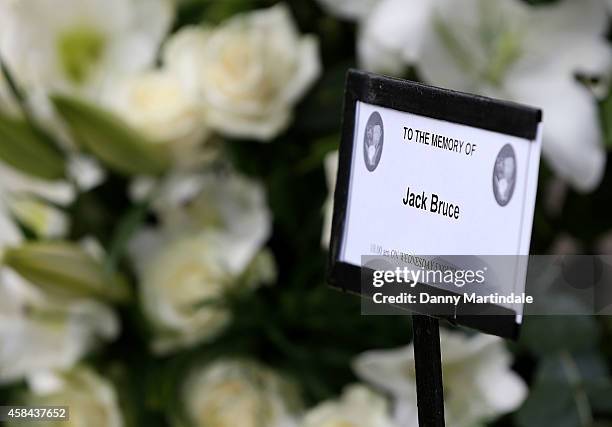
22, 148
128, 224
567, 391
549, 405
545, 335
606, 119
120, 147
66, 269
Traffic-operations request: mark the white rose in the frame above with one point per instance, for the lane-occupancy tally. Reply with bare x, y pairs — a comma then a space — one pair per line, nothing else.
230, 393
358, 407
248, 72
157, 104
91, 399
212, 229
182, 285
41, 333
349, 9
479, 384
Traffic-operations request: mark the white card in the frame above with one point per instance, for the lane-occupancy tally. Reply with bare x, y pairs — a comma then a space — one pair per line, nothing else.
484, 182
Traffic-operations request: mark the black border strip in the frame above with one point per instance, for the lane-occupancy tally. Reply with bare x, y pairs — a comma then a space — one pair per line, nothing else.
443, 104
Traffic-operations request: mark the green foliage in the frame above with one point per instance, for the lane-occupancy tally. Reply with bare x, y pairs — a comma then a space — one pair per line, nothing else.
544, 335
606, 118
116, 144
22, 148
569, 390
65, 268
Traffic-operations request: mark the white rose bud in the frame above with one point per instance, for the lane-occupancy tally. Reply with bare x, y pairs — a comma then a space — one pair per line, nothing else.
248, 72
232, 393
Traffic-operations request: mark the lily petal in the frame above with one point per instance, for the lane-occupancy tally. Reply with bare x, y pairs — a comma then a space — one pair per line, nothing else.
572, 132
390, 37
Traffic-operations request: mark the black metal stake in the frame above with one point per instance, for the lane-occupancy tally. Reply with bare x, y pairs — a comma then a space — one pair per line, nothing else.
428, 368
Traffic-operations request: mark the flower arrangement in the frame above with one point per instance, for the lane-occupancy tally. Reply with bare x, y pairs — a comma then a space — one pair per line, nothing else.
166, 178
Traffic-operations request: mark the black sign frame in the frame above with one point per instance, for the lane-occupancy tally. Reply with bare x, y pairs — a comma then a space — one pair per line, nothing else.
429, 101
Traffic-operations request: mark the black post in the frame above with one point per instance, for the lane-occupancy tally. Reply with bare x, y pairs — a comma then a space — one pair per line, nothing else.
428, 368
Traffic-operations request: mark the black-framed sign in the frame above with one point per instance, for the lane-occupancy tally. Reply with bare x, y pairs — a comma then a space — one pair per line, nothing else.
428, 176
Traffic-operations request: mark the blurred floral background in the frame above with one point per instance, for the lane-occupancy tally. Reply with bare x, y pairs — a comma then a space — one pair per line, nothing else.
166, 174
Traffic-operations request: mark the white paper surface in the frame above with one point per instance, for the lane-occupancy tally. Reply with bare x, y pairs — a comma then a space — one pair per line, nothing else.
377, 217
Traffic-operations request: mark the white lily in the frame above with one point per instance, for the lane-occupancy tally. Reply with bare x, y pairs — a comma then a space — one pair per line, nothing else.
531, 55
478, 382
391, 36
511, 50
40, 334
80, 45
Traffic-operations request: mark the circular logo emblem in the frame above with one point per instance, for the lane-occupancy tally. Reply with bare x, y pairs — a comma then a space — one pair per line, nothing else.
504, 175
373, 141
